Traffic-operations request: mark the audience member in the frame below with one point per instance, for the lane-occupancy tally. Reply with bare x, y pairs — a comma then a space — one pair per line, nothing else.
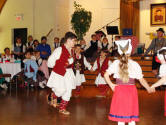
44, 48
56, 42
156, 44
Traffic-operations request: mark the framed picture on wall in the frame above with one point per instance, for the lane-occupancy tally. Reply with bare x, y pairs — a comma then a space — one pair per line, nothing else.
158, 14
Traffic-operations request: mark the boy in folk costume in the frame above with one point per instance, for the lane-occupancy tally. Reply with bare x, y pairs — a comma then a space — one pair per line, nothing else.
101, 64
124, 105
80, 63
62, 78
161, 58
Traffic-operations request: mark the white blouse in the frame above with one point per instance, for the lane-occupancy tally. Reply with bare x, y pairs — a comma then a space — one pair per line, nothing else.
162, 70
134, 69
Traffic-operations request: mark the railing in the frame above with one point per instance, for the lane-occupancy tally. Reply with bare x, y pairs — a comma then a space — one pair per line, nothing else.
145, 64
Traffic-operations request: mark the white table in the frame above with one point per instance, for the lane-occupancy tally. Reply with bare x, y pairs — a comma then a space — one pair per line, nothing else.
10, 68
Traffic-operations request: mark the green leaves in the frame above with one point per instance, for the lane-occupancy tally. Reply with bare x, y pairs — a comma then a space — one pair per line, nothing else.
81, 21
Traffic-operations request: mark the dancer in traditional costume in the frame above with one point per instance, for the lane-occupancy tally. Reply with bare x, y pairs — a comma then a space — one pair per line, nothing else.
161, 58
80, 63
101, 65
124, 105
62, 78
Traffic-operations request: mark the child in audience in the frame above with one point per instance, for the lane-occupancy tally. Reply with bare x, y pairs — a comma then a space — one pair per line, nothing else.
43, 73
35, 44
80, 63
101, 64
30, 70
56, 42
105, 45
19, 50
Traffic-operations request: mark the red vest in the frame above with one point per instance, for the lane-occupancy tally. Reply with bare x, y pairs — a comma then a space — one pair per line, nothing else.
62, 63
104, 66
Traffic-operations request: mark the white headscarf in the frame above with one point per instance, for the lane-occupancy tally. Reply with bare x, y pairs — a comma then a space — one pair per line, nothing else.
160, 56
124, 46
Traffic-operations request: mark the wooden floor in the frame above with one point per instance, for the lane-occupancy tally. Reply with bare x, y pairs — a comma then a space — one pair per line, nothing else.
30, 108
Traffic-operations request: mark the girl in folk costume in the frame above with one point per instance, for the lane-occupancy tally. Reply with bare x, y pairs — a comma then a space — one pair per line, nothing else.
101, 64
161, 54
62, 78
124, 105
80, 63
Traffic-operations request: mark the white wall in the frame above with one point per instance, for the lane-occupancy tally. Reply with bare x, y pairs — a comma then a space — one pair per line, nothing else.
8, 20
145, 26
39, 17
103, 12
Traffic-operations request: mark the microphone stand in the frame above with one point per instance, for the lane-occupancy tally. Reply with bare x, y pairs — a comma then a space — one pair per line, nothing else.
108, 23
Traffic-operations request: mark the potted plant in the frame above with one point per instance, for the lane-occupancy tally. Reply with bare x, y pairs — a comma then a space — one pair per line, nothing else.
81, 20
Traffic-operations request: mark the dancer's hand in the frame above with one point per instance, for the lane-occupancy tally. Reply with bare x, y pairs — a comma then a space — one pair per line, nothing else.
112, 86
91, 70
151, 89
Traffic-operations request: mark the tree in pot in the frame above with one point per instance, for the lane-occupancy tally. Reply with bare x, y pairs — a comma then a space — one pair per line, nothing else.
81, 20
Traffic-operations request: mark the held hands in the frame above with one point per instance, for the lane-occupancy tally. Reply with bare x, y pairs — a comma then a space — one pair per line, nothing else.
112, 86
91, 70
151, 89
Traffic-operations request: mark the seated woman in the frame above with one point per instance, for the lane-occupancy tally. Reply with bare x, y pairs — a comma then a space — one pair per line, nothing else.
7, 56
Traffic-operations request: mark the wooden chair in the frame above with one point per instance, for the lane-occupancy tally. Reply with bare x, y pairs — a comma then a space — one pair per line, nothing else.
8, 76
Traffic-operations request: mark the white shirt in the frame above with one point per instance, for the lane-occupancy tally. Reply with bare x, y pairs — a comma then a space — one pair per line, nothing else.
55, 56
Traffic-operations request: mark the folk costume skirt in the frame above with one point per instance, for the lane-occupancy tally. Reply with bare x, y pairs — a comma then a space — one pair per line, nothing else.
165, 104
124, 105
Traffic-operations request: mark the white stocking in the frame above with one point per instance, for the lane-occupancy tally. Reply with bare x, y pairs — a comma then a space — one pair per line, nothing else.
121, 123
132, 123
